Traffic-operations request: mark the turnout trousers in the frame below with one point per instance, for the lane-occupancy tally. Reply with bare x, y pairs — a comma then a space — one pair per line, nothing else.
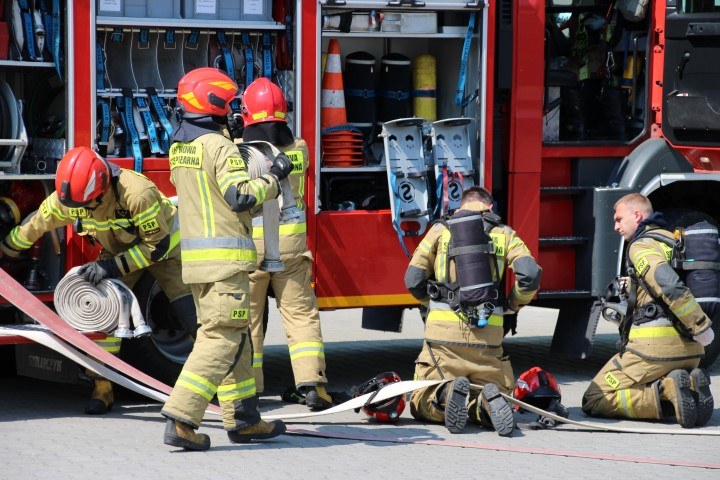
301, 319
220, 362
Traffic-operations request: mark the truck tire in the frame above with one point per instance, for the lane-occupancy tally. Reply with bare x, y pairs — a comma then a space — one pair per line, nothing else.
162, 354
679, 217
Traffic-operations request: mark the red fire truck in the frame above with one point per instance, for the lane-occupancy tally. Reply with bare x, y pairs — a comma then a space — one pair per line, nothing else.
564, 107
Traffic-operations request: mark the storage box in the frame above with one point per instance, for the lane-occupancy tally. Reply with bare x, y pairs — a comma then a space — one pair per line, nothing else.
139, 8
244, 10
420, 22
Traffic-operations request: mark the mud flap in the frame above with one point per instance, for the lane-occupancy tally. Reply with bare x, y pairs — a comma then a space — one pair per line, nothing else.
407, 176
454, 170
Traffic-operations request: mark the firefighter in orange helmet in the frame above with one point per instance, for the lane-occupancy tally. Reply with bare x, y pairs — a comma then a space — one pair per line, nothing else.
133, 222
264, 111
215, 195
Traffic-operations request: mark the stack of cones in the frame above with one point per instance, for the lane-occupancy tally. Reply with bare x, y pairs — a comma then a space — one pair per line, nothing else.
341, 147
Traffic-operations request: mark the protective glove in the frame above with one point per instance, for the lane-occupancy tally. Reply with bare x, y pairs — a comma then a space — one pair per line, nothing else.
705, 338
281, 167
94, 272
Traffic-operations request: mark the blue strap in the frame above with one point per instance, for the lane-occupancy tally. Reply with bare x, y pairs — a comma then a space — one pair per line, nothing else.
229, 63
28, 29
249, 61
394, 94
289, 37
117, 35
461, 101
396, 221
149, 122
159, 109
132, 138
170, 39
144, 40
104, 125
193, 39
360, 92
267, 55
46, 12
99, 67
56, 36
424, 93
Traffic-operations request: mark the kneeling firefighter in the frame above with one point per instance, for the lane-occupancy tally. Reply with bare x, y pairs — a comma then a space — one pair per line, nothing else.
458, 268
133, 222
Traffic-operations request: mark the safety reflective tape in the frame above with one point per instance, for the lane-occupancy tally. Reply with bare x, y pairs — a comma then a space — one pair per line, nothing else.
523, 295
197, 384
285, 229
332, 99
110, 344
257, 361
147, 214
450, 316
306, 349
216, 242
258, 188
653, 332
21, 242
218, 254
206, 203
687, 308
138, 257
623, 400
236, 391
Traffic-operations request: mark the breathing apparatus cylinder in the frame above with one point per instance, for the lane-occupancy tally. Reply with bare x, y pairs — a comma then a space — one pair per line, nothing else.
470, 248
700, 243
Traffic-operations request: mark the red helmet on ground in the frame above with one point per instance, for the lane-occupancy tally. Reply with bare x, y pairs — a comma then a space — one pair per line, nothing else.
263, 101
537, 387
386, 411
206, 91
82, 176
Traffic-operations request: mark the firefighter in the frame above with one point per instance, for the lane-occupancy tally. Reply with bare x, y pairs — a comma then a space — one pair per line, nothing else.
263, 110
655, 375
126, 214
455, 348
216, 195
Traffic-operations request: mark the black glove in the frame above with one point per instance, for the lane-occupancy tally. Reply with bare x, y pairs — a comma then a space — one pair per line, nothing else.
94, 272
281, 167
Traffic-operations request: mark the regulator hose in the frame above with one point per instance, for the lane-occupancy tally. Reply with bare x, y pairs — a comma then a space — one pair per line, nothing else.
106, 307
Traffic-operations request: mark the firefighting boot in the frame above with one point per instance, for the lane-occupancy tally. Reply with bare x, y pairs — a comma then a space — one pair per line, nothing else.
102, 398
317, 398
454, 397
675, 395
260, 431
179, 434
497, 409
477, 415
700, 387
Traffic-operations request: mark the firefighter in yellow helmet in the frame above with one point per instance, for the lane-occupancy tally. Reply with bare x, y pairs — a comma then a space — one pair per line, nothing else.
215, 195
655, 375
133, 222
458, 268
263, 111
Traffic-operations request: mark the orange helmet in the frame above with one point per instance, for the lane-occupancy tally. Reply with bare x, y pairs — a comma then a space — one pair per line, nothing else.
263, 101
82, 176
206, 91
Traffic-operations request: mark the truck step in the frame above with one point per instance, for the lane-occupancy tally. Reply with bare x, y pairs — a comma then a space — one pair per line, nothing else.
571, 240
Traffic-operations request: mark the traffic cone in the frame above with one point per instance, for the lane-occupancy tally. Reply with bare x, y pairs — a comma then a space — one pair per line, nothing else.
332, 101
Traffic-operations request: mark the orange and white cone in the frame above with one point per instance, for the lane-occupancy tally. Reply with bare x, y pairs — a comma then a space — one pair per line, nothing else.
332, 98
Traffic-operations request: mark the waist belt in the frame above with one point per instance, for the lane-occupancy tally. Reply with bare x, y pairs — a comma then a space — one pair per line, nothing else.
646, 313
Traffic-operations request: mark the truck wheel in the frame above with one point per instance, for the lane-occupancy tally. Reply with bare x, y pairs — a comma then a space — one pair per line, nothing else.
679, 217
163, 353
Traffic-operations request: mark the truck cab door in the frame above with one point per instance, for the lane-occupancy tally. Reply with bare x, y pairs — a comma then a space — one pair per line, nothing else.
691, 97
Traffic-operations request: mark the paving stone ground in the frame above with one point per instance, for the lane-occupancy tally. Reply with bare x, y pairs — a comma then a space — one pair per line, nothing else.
43, 433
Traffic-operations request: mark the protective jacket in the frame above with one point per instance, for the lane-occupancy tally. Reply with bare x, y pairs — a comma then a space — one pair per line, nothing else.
444, 326
293, 232
656, 337
217, 227
134, 223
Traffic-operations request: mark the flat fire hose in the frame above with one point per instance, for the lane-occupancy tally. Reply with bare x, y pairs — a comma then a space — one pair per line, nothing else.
16, 294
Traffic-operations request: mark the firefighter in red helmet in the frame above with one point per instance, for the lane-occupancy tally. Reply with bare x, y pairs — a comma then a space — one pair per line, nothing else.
264, 111
215, 196
133, 222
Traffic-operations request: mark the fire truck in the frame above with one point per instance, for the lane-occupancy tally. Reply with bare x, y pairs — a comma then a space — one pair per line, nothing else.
558, 107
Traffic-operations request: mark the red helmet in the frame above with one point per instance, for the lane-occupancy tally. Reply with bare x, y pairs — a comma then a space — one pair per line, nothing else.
387, 411
82, 176
263, 101
206, 91
537, 387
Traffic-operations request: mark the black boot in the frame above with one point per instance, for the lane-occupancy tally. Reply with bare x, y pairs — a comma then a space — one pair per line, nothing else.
453, 397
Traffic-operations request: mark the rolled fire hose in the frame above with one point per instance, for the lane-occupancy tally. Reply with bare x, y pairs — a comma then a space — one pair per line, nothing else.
108, 306
259, 156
